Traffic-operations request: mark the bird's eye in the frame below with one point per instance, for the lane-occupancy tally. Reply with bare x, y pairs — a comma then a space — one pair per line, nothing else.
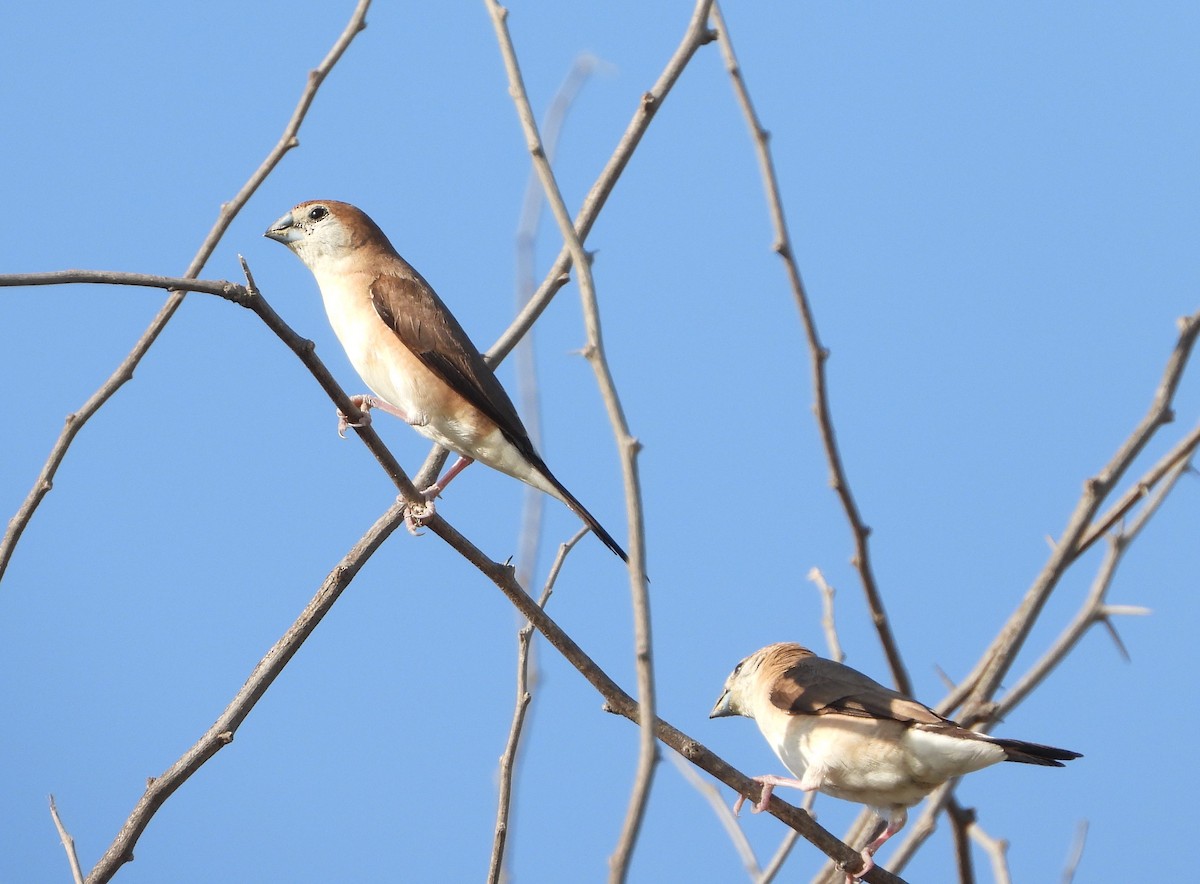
316, 213
738, 668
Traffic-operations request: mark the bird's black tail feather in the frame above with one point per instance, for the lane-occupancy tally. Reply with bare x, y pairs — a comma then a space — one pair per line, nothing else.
580, 510
1035, 753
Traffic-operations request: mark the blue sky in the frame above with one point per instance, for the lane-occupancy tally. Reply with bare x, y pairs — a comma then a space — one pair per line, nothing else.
995, 211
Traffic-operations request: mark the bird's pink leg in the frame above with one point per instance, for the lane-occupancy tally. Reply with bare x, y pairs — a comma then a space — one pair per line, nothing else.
365, 403
769, 782
440, 485
886, 829
413, 520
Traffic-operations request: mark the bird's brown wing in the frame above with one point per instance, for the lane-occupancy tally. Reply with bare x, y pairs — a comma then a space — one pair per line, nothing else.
411, 308
816, 686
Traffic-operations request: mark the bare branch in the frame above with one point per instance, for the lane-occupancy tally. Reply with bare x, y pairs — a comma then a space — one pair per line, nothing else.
996, 849
1094, 609
508, 760
818, 356
68, 843
220, 735
627, 445
1181, 451
977, 689
961, 820
124, 371
827, 622
223, 288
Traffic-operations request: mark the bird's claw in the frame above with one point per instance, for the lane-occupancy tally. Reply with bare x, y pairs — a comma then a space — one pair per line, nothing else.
364, 404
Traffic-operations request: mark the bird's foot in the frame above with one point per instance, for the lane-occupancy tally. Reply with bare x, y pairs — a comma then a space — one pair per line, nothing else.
363, 403
868, 864
417, 515
768, 783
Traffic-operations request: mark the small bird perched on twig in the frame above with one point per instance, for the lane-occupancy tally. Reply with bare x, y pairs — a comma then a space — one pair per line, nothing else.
411, 351
848, 736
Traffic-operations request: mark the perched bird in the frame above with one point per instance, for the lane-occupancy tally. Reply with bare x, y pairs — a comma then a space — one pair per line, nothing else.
411, 351
848, 736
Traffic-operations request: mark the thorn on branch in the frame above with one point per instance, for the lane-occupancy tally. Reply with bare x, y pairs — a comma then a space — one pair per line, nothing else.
709, 36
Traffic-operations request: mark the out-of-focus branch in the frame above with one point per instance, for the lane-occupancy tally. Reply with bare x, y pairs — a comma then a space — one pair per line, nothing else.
627, 445
220, 735
68, 843
124, 371
725, 817
509, 759
818, 356
526, 367
1076, 855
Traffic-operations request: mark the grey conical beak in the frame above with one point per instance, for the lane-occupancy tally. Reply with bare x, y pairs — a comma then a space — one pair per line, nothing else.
724, 706
283, 230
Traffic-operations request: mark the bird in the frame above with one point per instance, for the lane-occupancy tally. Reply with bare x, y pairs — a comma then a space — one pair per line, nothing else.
843, 733
411, 351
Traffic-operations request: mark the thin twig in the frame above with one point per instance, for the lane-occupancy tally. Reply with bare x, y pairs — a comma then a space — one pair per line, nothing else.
961, 820
1094, 609
68, 843
827, 622
818, 356
627, 445
977, 689
1181, 451
221, 734
996, 849
124, 371
508, 760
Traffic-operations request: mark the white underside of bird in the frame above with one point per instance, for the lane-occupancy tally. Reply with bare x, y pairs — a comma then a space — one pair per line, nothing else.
883, 764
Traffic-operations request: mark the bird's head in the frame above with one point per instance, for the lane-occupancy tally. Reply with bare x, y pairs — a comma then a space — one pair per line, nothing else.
747, 685
322, 230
